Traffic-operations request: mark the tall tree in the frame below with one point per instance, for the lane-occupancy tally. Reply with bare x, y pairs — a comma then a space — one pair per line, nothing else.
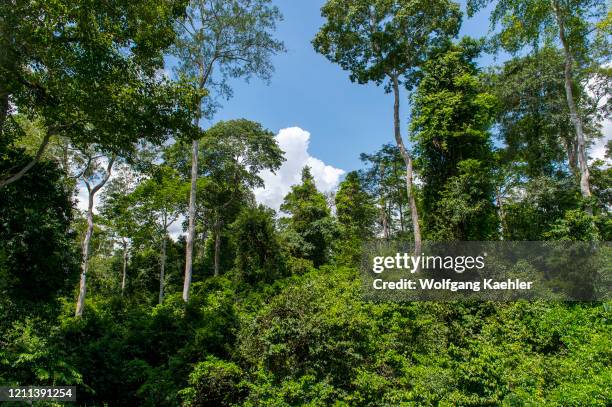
258, 250
451, 121
97, 168
220, 40
356, 215
386, 42
311, 229
88, 72
233, 153
354, 207
573, 25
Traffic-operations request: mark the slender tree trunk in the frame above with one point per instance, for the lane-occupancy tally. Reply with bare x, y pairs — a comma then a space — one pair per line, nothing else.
502, 211
80, 305
203, 75
85, 260
585, 187
191, 227
409, 172
125, 261
399, 200
162, 267
217, 248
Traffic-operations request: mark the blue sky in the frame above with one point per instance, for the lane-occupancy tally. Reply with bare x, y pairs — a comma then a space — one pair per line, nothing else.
307, 91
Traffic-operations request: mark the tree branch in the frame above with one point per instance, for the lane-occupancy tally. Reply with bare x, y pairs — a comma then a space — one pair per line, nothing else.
8, 179
109, 168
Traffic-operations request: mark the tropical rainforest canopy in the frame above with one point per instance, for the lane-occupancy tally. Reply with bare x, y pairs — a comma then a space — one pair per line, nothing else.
252, 307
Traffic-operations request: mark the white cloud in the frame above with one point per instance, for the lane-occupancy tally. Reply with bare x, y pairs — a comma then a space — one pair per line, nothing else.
294, 142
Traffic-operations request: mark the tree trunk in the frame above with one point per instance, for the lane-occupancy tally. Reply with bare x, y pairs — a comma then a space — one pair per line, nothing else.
162, 268
80, 305
399, 200
383, 205
217, 248
191, 228
502, 211
85, 261
585, 187
125, 261
408, 160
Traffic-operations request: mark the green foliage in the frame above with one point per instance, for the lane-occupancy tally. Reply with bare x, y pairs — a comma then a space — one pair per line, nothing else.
226, 253
239, 150
146, 352
214, 383
576, 225
601, 184
310, 229
258, 250
231, 156
356, 214
298, 266
30, 355
374, 40
465, 210
354, 207
219, 40
48, 65
452, 115
285, 322
540, 202
532, 23
115, 207
38, 261
156, 202
318, 343
533, 115
385, 180
143, 270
